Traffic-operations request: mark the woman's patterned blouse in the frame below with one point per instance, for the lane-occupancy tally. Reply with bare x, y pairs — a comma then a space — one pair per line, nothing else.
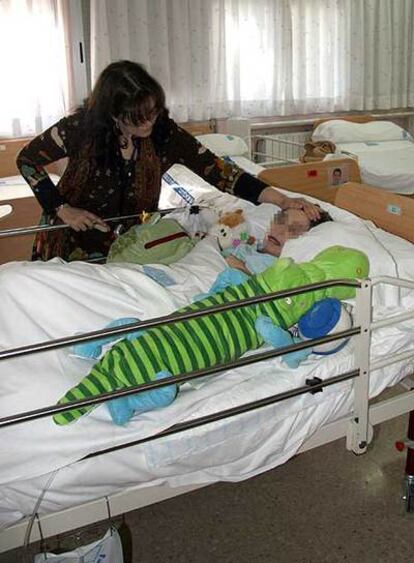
121, 188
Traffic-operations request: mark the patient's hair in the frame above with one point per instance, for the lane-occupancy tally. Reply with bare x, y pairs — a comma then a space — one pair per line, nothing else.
324, 217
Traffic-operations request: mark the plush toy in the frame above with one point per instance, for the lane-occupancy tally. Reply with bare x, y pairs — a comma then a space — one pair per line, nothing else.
231, 230
324, 317
185, 346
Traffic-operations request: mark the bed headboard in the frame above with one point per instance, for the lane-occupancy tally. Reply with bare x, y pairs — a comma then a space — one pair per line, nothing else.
312, 178
352, 118
9, 149
200, 127
392, 212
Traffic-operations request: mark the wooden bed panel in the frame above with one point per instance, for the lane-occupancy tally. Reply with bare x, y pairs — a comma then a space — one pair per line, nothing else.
200, 127
21, 212
312, 178
392, 212
9, 149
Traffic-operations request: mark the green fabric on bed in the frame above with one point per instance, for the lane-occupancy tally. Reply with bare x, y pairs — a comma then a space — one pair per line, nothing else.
185, 346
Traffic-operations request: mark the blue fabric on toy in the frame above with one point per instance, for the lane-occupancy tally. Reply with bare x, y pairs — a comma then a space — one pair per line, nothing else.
93, 350
321, 318
124, 408
278, 337
226, 278
319, 321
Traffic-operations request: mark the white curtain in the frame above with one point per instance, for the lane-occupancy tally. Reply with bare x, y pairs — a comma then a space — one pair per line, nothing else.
217, 58
34, 63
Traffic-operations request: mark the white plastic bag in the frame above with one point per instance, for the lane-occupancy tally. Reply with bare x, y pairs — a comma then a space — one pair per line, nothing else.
106, 550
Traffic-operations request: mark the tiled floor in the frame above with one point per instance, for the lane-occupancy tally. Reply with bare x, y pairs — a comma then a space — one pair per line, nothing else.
324, 506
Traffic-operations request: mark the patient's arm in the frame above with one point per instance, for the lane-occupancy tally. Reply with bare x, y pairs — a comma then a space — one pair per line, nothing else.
237, 264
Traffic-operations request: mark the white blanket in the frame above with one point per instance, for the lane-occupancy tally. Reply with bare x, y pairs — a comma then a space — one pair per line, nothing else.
55, 299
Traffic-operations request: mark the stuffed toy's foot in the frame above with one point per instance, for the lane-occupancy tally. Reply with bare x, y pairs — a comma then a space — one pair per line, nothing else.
226, 278
93, 350
124, 408
277, 337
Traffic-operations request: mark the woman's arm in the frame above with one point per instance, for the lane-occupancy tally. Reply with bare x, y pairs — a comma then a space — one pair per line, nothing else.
227, 176
270, 194
59, 141
50, 146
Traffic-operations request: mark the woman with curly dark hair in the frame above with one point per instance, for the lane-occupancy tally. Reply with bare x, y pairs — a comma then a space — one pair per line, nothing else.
118, 146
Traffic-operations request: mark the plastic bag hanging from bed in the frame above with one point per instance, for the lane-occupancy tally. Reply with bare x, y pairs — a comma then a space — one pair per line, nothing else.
106, 550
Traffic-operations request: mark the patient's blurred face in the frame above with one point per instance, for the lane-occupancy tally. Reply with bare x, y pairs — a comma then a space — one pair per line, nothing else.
288, 224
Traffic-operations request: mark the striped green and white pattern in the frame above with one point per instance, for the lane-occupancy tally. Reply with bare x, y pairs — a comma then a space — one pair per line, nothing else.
185, 346
179, 347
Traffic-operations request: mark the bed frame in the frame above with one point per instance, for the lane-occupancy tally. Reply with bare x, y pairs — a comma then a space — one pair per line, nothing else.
356, 427
274, 143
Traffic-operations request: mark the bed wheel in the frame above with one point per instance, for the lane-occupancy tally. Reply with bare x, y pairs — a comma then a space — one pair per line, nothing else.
408, 494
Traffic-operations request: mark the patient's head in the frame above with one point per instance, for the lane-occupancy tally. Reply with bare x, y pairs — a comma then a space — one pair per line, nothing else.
290, 223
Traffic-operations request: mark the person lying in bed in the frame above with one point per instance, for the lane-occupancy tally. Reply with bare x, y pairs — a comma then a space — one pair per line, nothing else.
288, 224
118, 146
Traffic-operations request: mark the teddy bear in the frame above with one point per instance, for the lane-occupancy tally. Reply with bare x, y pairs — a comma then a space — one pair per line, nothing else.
231, 230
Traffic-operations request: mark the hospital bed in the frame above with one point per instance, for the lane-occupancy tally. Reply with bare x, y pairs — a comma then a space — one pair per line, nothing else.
224, 426
383, 150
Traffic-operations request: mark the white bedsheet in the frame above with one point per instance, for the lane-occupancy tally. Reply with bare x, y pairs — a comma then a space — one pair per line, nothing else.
49, 300
387, 164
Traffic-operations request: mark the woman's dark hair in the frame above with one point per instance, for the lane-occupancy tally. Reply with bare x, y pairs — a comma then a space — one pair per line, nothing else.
124, 90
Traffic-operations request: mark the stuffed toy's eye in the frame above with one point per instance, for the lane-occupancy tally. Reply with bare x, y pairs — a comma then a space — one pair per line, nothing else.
288, 301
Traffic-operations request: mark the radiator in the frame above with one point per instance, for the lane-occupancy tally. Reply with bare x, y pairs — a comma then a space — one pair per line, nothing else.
284, 148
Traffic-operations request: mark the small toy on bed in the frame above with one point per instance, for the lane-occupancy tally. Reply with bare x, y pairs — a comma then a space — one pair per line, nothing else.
231, 230
195, 344
325, 317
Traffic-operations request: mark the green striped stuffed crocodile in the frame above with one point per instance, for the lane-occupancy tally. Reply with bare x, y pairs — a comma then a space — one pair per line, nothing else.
184, 346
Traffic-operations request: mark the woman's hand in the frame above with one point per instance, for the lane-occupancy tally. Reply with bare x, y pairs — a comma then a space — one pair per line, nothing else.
272, 195
80, 219
312, 211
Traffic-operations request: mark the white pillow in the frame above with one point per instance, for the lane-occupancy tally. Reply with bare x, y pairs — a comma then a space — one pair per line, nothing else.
224, 145
341, 131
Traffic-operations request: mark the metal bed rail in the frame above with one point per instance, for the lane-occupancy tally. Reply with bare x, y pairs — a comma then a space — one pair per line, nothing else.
363, 328
132, 327
282, 151
50, 227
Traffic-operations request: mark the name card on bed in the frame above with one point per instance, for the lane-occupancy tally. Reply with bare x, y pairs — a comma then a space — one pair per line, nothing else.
317, 179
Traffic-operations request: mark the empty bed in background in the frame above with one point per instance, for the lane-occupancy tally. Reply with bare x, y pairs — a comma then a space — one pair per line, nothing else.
384, 150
